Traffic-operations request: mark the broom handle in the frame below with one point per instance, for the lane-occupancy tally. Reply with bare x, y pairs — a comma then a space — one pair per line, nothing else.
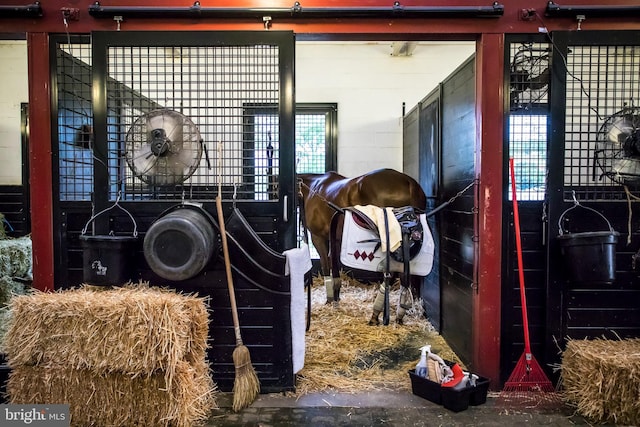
516, 222
225, 251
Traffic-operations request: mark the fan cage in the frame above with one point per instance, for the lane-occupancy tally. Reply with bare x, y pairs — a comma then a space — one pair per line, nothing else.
618, 147
529, 71
163, 147
601, 81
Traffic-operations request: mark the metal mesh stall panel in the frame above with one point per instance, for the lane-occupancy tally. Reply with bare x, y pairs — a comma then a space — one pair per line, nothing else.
528, 75
180, 117
527, 121
602, 92
75, 118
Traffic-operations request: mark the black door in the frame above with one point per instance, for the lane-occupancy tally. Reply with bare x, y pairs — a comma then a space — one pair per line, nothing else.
234, 89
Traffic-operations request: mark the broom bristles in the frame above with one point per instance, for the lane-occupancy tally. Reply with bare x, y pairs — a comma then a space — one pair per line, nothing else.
528, 376
246, 386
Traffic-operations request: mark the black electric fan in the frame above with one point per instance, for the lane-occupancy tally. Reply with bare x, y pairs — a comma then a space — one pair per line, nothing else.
617, 152
163, 147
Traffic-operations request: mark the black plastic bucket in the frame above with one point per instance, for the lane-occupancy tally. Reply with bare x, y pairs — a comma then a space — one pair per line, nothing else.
108, 260
180, 243
588, 256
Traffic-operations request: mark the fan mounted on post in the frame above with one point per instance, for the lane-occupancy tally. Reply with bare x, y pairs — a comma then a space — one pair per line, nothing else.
618, 147
163, 147
529, 75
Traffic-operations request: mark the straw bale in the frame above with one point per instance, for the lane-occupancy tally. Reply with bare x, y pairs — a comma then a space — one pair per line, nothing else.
345, 354
3, 232
136, 330
601, 378
16, 257
5, 318
9, 288
116, 399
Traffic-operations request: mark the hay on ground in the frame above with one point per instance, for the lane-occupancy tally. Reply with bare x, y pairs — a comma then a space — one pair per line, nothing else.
134, 330
345, 354
117, 399
601, 378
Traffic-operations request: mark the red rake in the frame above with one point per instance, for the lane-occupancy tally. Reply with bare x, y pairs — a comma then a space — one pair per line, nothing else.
527, 376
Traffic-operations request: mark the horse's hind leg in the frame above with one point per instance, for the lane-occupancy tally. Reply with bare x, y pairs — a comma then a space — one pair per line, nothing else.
405, 301
378, 306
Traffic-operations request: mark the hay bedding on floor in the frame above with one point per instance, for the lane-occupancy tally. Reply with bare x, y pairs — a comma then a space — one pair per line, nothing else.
345, 354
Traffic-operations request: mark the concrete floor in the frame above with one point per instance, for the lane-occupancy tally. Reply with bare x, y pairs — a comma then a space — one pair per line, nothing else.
401, 409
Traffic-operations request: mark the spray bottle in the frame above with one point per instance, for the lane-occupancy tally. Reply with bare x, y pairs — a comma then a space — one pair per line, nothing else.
421, 367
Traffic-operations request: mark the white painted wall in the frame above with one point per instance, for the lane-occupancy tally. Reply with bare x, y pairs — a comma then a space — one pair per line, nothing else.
370, 86
13, 91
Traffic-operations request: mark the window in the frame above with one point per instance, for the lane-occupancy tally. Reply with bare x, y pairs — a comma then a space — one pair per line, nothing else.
528, 148
316, 137
316, 142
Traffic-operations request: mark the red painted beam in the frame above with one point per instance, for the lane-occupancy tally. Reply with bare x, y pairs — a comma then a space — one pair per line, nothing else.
520, 16
489, 119
40, 160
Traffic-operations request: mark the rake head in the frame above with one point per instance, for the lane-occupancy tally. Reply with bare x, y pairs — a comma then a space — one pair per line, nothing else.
528, 376
529, 387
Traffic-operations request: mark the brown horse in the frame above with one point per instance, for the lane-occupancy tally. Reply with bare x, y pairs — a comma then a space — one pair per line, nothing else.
382, 187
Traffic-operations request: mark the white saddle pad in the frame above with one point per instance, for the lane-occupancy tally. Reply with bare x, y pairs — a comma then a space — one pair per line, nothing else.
359, 249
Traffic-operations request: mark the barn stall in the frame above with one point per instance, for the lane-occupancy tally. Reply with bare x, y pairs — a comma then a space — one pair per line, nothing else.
577, 184
480, 260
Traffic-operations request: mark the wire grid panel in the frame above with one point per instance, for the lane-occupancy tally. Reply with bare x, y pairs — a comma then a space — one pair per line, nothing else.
230, 94
528, 148
528, 117
601, 81
529, 71
75, 120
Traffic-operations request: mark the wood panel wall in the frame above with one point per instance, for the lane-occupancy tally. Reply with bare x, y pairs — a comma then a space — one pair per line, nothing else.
456, 221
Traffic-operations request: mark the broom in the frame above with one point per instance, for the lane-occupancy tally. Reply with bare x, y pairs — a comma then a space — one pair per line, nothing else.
246, 385
527, 376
